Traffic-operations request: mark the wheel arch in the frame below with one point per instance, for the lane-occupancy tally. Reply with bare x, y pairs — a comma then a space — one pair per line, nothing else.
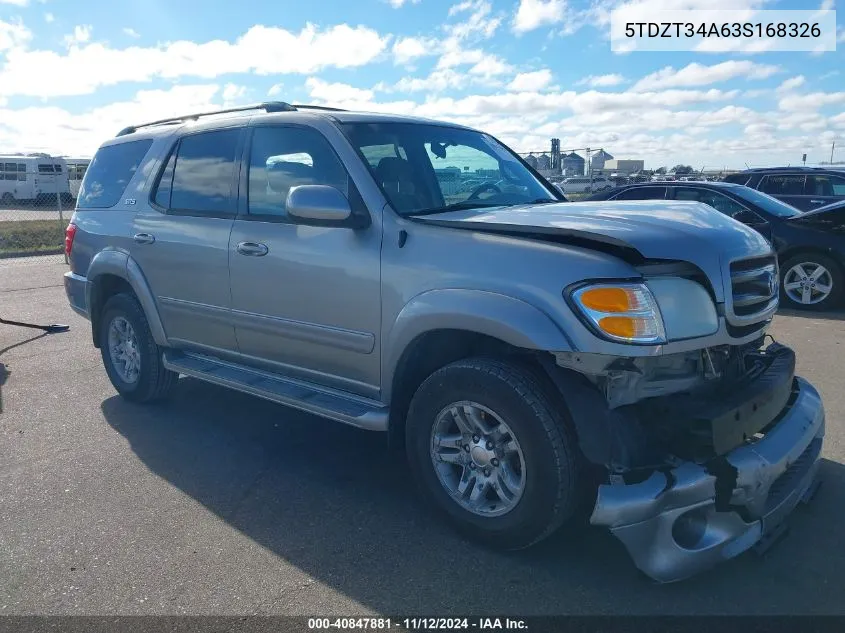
439, 327
110, 273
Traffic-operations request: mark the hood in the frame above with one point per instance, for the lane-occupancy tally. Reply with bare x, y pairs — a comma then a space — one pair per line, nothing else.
652, 229
827, 218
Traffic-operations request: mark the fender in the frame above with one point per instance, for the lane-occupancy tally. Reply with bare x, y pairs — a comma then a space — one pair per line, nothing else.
503, 317
120, 264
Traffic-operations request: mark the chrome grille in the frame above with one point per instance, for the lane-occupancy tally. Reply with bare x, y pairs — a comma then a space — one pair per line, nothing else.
754, 286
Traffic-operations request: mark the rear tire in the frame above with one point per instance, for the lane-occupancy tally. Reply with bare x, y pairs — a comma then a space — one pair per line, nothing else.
7, 199
130, 355
828, 274
516, 507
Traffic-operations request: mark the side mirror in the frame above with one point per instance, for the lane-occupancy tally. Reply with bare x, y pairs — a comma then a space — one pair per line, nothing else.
318, 202
747, 217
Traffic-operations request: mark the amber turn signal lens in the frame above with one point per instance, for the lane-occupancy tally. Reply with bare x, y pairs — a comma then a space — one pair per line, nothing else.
608, 300
623, 327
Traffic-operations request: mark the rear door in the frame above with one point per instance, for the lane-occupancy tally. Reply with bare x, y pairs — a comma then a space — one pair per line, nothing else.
181, 239
786, 187
822, 189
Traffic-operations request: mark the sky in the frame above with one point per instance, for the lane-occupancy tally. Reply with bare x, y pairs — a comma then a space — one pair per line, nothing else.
74, 73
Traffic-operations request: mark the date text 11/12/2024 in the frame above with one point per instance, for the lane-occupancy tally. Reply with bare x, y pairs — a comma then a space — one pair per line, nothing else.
417, 624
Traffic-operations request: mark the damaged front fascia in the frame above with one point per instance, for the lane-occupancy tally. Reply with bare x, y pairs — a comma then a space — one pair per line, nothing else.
626, 380
637, 415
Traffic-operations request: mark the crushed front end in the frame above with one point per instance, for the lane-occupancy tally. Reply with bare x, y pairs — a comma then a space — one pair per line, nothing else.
702, 451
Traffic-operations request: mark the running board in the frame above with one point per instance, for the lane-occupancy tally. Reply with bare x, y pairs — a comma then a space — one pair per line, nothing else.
325, 402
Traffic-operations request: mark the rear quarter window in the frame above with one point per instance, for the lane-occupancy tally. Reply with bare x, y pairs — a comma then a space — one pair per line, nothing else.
109, 173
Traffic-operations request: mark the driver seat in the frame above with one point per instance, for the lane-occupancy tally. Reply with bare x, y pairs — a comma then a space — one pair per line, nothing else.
402, 186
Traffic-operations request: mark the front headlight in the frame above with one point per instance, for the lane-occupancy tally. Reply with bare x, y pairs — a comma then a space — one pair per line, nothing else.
623, 312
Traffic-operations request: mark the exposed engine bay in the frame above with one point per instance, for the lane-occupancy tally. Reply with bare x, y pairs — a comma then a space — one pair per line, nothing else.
640, 414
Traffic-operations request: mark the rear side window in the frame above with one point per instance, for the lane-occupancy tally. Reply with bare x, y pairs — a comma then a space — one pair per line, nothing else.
737, 179
109, 173
199, 174
642, 193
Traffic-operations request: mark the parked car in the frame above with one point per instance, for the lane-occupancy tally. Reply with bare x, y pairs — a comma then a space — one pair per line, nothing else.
533, 358
810, 247
586, 184
805, 188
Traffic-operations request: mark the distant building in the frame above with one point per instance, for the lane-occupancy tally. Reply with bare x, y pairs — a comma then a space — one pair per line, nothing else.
531, 160
544, 163
624, 166
599, 159
573, 164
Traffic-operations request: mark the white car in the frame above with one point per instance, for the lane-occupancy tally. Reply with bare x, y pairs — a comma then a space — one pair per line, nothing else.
586, 185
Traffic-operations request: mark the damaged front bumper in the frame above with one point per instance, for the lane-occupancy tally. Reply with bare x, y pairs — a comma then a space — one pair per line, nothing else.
684, 519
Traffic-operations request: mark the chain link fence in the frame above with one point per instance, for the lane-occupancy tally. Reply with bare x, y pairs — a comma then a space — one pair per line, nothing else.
37, 197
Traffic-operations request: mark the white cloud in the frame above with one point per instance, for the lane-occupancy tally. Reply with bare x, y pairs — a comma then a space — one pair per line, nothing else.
81, 34
55, 130
791, 84
437, 81
275, 90
398, 3
480, 22
261, 50
532, 14
406, 49
13, 35
700, 75
531, 82
336, 92
601, 81
233, 92
131, 33
15, 3
490, 66
811, 101
49, 17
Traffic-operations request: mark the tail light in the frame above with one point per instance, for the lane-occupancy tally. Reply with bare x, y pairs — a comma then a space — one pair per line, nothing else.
70, 233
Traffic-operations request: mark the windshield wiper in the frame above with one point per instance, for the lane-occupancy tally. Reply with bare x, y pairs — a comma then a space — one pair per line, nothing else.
457, 206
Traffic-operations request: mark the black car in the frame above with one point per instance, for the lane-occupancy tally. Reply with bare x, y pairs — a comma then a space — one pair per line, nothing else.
810, 246
805, 188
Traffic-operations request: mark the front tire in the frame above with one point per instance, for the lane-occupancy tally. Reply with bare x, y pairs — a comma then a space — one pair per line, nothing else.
130, 355
491, 452
811, 281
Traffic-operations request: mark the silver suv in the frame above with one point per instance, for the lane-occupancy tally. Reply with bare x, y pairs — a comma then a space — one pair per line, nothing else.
539, 361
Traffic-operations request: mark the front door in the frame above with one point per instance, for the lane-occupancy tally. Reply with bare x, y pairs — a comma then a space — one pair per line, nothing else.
181, 241
822, 189
306, 299
725, 205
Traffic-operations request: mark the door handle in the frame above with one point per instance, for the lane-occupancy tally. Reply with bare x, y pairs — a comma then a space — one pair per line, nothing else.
144, 238
253, 249
816, 201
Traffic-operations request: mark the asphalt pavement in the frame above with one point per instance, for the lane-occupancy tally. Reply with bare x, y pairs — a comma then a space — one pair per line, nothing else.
219, 503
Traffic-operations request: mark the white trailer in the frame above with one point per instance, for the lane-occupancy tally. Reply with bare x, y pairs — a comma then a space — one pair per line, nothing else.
76, 168
32, 178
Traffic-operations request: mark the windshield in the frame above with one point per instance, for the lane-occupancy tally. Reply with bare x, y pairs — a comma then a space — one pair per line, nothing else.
767, 203
426, 168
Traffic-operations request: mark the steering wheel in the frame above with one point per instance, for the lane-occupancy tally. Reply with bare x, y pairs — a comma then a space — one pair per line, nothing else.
487, 186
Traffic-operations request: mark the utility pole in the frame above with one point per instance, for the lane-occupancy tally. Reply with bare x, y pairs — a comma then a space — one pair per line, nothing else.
832, 145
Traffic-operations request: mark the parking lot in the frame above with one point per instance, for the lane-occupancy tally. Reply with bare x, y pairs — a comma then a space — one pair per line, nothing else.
218, 503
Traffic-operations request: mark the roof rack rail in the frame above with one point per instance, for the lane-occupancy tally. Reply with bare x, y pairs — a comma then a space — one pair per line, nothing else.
300, 106
267, 106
